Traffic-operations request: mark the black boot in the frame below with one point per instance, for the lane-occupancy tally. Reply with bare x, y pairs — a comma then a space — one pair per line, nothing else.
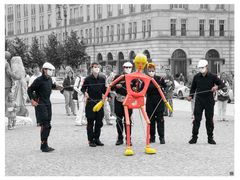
92, 144
193, 140
152, 140
119, 142
45, 148
211, 141
162, 140
98, 142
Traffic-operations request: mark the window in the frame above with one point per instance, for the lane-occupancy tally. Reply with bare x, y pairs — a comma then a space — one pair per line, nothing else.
145, 7
49, 21
211, 27
97, 34
81, 13
220, 7
112, 33
41, 22
149, 28
101, 34
173, 27
33, 24
204, 6
49, 7
76, 13
88, 12
33, 10
221, 27
107, 33
130, 31
99, 11
134, 30
178, 6
41, 44
143, 29
131, 8
120, 9
201, 27
109, 10
86, 35
183, 27
18, 27
25, 8
123, 31
118, 32
90, 36
25, 26
18, 12
10, 14
10, 28
41, 8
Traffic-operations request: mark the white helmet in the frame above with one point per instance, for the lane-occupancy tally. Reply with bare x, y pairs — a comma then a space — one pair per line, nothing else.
202, 63
127, 64
48, 65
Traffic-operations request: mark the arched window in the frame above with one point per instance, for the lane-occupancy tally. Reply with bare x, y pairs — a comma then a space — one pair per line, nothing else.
178, 63
120, 56
132, 56
212, 53
179, 53
99, 57
214, 61
110, 57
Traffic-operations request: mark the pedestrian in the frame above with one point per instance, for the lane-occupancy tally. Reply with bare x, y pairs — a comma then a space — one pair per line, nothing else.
43, 86
223, 97
155, 105
81, 118
204, 84
189, 84
181, 79
36, 73
11, 109
93, 88
121, 92
68, 84
169, 80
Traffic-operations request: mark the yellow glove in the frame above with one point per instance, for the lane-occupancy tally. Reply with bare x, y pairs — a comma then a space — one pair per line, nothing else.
168, 106
98, 106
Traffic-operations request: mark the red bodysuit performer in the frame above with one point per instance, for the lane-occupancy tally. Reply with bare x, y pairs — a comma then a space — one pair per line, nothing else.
135, 99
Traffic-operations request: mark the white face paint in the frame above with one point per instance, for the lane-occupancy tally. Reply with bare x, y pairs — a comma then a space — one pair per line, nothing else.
151, 73
96, 70
202, 69
127, 70
49, 72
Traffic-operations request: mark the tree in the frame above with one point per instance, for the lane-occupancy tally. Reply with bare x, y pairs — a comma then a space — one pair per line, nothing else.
54, 51
17, 47
74, 50
37, 55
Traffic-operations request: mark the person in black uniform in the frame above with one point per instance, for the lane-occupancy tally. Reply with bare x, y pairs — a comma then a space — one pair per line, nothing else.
121, 92
39, 93
153, 101
204, 84
94, 88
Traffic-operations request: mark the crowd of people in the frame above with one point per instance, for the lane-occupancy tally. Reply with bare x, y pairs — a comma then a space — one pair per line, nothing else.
82, 93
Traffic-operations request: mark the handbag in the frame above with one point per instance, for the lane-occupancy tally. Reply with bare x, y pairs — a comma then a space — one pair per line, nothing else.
75, 93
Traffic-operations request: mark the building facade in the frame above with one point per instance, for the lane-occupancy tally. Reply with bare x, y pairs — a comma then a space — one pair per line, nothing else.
171, 35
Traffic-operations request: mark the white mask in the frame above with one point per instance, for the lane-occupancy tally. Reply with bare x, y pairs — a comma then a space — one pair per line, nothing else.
49, 72
152, 73
96, 70
127, 70
203, 70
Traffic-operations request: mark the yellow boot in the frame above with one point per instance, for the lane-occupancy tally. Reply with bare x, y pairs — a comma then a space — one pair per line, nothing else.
128, 152
149, 150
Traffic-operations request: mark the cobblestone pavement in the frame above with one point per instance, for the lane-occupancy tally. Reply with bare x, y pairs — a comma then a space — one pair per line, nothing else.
73, 156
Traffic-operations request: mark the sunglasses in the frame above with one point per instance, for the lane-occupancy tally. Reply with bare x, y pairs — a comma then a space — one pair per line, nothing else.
127, 67
151, 71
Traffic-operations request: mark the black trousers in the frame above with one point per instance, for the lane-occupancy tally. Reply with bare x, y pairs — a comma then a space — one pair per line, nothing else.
207, 104
157, 117
43, 116
119, 111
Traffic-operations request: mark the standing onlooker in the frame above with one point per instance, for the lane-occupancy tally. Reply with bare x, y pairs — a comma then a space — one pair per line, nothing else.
36, 74
155, 105
121, 92
204, 84
11, 111
189, 84
94, 88
223, 97
68, 84
80, 119
43, 86
169, 80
